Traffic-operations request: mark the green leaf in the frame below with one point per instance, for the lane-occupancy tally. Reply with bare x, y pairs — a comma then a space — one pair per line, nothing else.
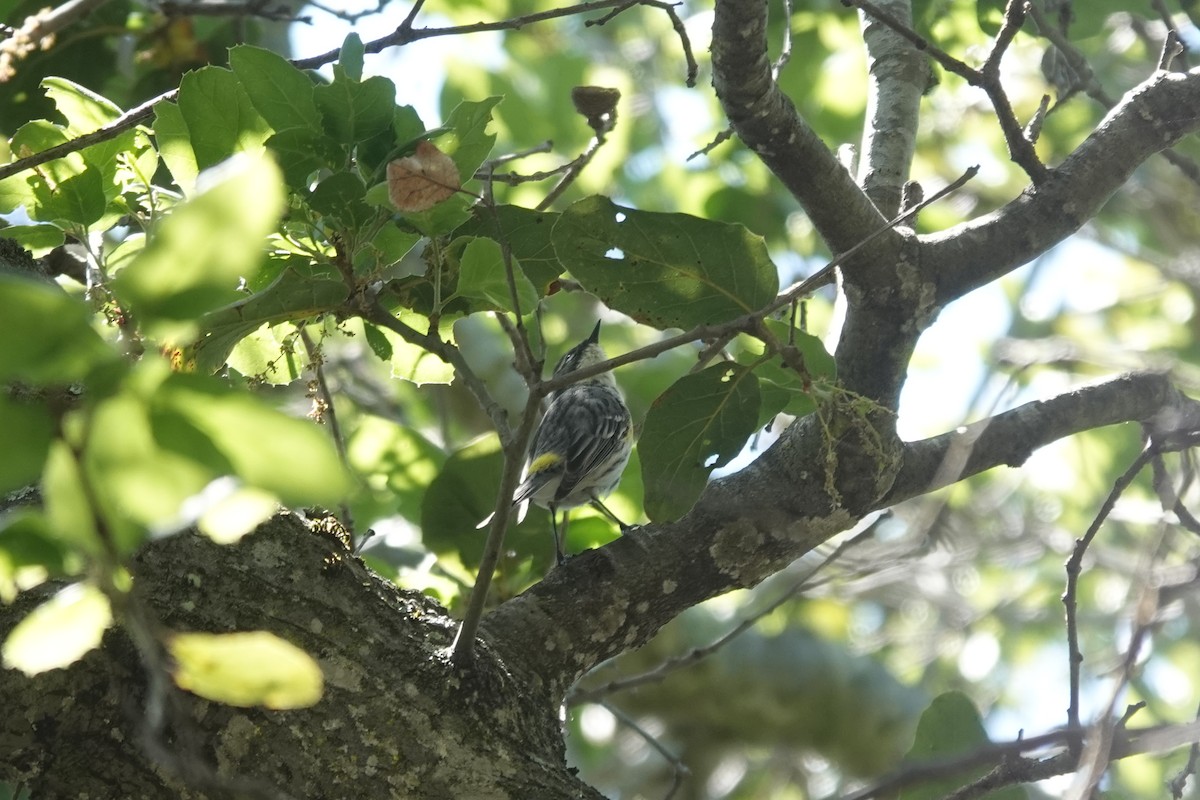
783, 388
282, 94
138, 485
220, 119
26, 541
291, 296
207, 245
79, 199
84, 110
48, 336
463, 494
28, 430
665, 270
950, 726
340, 198
58, 632
175, 145
528, 234
354, 112
350, 59
397, 462
469, 142
482, 275
68, 509
235, 432
250, 668
268, 354
700, 423
37, 239
302, 152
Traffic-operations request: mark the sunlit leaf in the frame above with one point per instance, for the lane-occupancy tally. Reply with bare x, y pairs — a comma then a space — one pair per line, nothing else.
48, 334
469, 141
28, 429
252, 668
58, 632
209, 243
236, 432
220, 119
175, 145
282, 94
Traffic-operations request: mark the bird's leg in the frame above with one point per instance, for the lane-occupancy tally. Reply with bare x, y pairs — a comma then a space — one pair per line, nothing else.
603, 509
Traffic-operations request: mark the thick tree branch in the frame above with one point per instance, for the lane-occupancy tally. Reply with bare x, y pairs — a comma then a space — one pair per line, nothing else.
1150, 118
752, 524
1011, 437
397, 718
898, 74
767, 122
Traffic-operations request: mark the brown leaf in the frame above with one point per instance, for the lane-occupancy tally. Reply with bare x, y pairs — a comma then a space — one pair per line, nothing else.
421, 181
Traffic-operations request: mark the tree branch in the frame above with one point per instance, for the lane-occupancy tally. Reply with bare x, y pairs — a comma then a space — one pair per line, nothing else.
750, 525
1011, 437
767, 122
1151, 117
898, 74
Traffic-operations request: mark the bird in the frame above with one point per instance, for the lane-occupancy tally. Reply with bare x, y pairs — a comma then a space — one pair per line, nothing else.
581, 445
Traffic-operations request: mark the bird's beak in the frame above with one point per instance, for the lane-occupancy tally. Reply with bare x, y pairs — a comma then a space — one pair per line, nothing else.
595, 337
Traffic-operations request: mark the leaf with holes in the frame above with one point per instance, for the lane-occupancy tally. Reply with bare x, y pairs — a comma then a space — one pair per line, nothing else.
665, 270
698, 424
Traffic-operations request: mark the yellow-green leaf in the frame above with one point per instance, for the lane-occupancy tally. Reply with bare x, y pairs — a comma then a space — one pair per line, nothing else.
58, 632
251, 668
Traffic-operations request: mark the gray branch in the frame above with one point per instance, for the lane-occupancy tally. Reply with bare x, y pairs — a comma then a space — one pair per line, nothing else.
898, 74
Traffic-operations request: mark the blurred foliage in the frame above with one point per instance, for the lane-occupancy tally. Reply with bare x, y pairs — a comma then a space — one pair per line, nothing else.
244, 217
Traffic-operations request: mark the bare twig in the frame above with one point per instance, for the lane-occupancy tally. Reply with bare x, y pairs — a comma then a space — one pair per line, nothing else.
1179, 782
678, 768
1020, 149
448, 353
327, 413
676, 23
699, 653
1075, 566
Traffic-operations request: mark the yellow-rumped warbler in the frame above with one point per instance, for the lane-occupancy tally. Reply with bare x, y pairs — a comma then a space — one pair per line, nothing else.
582, 444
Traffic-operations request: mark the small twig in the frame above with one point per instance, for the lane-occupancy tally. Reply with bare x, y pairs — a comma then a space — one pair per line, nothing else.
576, 167
448, 353
679, 769
463, 648
718, 140
1179, 782
1171, 49
407, 24
1020, 149
327, 413
785, 49
680, 30
700, 653
1075, 566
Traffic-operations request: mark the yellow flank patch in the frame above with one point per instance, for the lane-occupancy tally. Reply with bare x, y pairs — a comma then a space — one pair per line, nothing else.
542, 462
